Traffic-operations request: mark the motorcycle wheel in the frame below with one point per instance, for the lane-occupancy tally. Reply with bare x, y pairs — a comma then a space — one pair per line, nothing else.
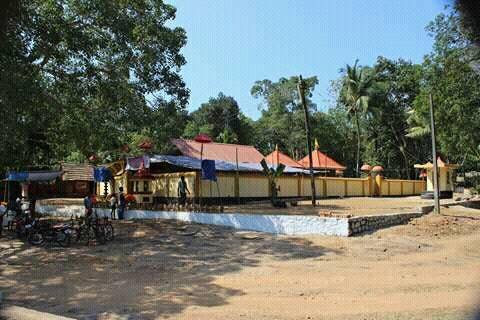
19, 230
36, 238
63, 238
100, 234
109, 232
84, 234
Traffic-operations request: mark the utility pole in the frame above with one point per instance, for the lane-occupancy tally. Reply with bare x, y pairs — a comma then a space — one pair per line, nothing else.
434, 155
301, 93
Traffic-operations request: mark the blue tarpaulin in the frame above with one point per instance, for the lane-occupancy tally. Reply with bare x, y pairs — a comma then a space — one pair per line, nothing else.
208, 170
101, 174
17, 176
33, 175
195, 164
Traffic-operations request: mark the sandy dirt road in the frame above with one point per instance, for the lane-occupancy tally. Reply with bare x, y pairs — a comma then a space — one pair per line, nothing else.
428, 269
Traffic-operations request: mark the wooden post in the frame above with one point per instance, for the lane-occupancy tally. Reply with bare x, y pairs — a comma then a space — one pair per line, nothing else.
299, 186
200, 183
301, 92
127, 184
197, 184
237, 178
167, 185
401, 188
434, 155
345, 187
5, 192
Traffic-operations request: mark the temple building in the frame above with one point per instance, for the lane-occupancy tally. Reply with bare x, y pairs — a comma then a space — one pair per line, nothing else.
322, 163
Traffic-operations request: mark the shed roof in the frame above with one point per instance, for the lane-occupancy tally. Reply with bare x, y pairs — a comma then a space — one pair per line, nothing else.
440, 163
218, 151
220, 165
277, 157
32, 175
321, 161
77, 172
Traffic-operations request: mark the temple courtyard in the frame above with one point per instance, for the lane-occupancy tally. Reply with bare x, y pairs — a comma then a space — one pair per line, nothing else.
165, 269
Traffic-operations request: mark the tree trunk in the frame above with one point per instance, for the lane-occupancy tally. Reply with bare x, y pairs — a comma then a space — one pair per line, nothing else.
357, 122
273, 190
402, 148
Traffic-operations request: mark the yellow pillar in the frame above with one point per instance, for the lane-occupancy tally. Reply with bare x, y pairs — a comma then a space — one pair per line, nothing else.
378, 185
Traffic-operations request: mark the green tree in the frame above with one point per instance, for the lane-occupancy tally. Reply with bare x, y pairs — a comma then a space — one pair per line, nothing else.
355, 95
222, 119
282, 120
397, 84
82, 75
449, 75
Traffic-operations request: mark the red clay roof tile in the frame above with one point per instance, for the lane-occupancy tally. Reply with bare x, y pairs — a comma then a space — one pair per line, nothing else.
218, 151
321, 161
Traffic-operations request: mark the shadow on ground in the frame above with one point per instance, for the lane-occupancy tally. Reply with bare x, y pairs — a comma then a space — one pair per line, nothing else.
152, 269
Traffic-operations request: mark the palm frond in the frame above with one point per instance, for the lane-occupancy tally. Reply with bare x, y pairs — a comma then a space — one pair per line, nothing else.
418, 132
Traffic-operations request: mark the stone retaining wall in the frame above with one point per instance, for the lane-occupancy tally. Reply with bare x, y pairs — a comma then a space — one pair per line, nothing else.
362, 224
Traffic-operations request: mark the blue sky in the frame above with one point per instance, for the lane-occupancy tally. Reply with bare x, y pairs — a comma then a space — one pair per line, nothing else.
231, 44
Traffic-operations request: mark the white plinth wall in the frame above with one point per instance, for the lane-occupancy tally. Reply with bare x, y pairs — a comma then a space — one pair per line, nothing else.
279, 224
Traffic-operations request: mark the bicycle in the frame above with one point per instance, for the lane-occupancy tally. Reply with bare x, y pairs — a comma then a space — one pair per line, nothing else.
108, 229
90, 229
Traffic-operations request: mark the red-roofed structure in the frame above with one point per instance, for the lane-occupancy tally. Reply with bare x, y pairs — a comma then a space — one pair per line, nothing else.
321, 161
218, 151
277, 157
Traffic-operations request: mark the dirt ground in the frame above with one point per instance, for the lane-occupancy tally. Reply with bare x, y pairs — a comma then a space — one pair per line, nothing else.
354, 206
351, 206
428, 269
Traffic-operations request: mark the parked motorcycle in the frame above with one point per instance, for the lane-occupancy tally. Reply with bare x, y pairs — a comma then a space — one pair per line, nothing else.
59, 233
18, 221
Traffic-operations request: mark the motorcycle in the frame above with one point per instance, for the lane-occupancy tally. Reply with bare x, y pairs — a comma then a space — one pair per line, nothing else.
19, 222
59, 233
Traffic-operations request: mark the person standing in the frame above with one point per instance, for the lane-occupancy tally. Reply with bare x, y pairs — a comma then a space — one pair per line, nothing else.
3, 211
88, 203
113, 206
122, 203
182, 191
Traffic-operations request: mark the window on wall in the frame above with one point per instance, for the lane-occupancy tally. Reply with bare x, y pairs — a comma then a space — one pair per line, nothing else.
145, 186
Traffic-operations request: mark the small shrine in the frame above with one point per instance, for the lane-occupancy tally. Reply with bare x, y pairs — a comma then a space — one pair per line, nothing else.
446, 174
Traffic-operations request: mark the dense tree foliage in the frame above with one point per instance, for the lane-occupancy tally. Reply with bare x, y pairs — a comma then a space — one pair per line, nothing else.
451, 76
282, 121
222, 119
99, 77
81, 76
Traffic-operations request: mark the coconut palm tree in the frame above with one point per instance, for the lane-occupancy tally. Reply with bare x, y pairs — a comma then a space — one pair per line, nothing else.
419, 126
355, 92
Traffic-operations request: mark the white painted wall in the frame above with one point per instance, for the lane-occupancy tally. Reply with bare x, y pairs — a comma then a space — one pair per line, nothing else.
278, 224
